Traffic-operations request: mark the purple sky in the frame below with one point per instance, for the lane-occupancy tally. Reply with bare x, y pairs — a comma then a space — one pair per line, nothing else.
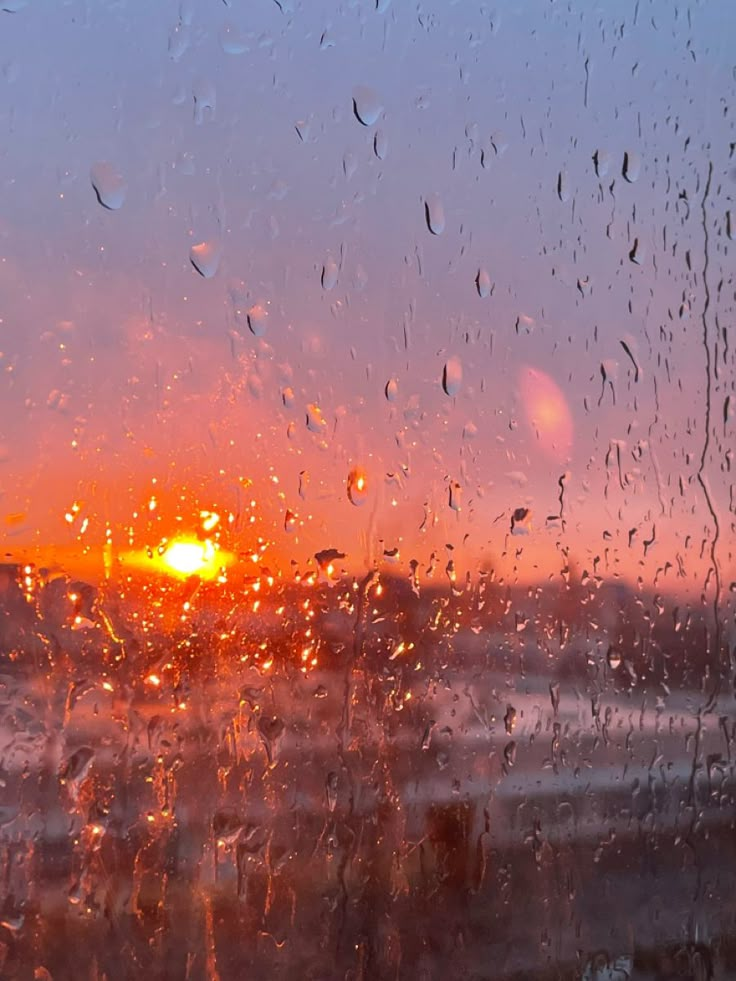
233, 124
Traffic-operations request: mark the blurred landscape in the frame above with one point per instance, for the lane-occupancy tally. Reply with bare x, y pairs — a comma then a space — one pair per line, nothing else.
476, 782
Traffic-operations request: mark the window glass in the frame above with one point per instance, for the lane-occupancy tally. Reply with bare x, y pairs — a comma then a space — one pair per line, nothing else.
366, 472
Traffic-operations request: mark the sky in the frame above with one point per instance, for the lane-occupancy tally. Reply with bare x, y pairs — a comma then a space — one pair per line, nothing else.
480, 255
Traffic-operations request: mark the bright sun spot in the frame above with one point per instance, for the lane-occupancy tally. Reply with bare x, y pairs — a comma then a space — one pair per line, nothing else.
190, 558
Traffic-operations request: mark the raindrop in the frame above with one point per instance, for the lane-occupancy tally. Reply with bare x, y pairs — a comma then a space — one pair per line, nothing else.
303, 484
483, 283
315, 421
730, 226
509, 753
366, 105
108, 185
77, 766
452, 376
205, 257
509, 720
179, 41
380, 144
499, 142
632, 166
357, 486
205, 98
638, 253
521, 521
232, 41
554, 695
455, 496
601, 162
349, 164
435, 214
258, 320
326, 560
382, 6
392, 390
330, 272
303, 129
563, 186
287, 397
331, 785
226, 826
278, 190
289, 522
271, 729
470, 430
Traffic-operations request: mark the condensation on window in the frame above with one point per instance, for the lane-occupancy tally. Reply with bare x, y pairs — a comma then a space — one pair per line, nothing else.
367, 490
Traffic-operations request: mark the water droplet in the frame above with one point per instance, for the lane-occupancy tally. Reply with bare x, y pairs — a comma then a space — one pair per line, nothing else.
380, 144
179, 41
349, 164
331, 785
483, 283
357, 486
315, 420
509, 720
632, 166
232, 41
392, 390
509, 753
470, 430
227, 826
521, 521
258, 319
366, 105
452, 376
303, 484
205, 257
289, 522
638, 253
271, 728
382, 6
326, 41
601, 162
278, 190
303, 128
109, 185
327, 561
554, 695
455, 496
330, 272
499, 142
360, 278
205, 99
730, 226
563, 186
287, 397
435, 214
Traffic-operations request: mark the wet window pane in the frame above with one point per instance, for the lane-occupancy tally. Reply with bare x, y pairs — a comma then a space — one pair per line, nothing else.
367, 485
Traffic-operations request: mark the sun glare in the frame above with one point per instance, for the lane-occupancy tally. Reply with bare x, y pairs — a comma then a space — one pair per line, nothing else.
189, 558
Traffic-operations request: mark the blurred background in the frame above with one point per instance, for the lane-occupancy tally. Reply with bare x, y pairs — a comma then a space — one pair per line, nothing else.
366, 492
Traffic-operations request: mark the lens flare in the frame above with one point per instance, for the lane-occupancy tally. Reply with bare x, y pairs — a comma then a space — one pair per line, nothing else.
547, 413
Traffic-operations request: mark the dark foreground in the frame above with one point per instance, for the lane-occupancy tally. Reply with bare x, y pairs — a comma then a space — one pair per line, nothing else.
397, 818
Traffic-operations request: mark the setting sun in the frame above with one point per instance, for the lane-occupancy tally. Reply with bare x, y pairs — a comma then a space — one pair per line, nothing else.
189, 558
